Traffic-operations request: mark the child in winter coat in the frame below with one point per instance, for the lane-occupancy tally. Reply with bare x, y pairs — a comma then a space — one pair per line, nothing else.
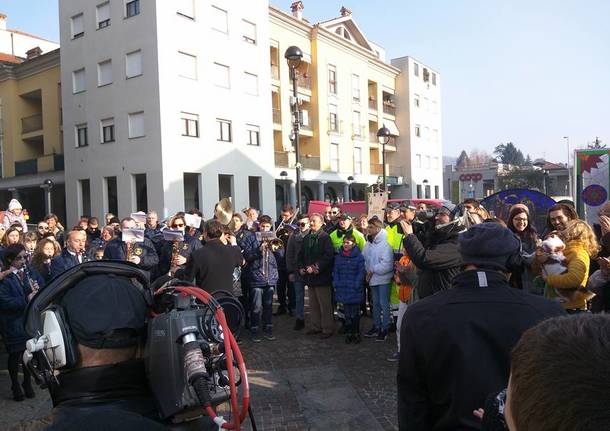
348, 281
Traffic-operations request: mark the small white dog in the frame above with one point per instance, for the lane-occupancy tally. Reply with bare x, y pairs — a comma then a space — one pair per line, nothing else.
556, 263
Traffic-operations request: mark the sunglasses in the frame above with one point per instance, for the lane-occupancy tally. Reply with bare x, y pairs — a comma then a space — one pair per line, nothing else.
303, 224
43, 227
178, 225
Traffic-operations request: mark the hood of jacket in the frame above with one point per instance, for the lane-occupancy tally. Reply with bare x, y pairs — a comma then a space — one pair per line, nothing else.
380, 237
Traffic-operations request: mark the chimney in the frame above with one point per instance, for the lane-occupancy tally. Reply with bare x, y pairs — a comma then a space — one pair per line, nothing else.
297, 9
2, 21
345, 11
33, 53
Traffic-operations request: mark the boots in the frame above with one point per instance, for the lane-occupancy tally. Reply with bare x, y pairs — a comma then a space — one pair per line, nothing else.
17, 393
27, 388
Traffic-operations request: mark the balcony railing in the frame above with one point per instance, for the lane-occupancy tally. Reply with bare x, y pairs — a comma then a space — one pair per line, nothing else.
50, 163
389, 108
373, 104
31, 123
277, 116
304, 81
275, 71
310, 162
281, 159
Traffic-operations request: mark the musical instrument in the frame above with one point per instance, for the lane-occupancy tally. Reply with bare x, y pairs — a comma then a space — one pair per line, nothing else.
129, 254
223, 211
175, 253
270, 243
33, 284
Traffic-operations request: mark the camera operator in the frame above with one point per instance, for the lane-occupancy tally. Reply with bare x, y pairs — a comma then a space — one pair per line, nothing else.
437, 259
107, 317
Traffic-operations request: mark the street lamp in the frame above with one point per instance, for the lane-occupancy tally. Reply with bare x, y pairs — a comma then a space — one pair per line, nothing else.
47, 185
293, 56
383, 136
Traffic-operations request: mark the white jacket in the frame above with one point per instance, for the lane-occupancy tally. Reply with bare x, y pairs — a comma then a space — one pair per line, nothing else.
379, 259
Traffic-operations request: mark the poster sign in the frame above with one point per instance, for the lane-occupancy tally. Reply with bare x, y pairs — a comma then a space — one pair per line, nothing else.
377, 202
592, 182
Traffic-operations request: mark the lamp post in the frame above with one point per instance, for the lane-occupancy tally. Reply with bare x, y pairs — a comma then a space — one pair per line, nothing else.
383, 136
47, 185
567, 138
293, 56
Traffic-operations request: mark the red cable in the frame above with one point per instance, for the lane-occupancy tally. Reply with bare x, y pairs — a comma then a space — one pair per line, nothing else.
231, 347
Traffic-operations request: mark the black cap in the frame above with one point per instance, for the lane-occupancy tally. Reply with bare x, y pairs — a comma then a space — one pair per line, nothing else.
344, 216
488, 245
100, 305
392, 206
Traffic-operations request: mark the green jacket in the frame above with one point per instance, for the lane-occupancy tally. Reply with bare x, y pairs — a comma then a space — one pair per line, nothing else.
395, 236
336, 236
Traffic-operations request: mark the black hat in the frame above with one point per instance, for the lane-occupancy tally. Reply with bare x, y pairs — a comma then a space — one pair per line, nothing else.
344, 216
100, 305
488, 245
392, 206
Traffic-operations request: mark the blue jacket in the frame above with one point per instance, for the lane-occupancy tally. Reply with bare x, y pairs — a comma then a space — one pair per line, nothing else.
117, 250
150, 233
186, 249
13, 300
64, 262
348, 277
256, 272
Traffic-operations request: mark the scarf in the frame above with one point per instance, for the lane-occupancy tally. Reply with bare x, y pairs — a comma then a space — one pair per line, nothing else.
312, 251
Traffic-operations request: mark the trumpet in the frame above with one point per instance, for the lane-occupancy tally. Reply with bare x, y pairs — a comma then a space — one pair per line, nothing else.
129, 253
270, 243
175, 254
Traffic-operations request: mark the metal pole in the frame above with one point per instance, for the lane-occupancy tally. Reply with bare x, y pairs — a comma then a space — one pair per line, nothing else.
47, 195
383, 167
567, 138
295, 129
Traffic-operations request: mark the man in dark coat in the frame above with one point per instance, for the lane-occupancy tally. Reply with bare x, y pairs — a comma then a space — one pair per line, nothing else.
437, 259
315, 265
72, 255
143, 253
455, 345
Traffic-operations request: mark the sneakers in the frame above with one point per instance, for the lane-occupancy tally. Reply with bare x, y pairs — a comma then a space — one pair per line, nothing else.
382, 336
372, 333
18, 393
299, 324
394, 357
269, 336
256, 337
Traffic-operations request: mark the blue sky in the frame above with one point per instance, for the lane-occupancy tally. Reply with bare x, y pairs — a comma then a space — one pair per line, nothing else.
529, 72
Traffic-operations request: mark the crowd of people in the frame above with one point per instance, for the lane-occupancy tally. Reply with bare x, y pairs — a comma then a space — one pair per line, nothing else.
417, 271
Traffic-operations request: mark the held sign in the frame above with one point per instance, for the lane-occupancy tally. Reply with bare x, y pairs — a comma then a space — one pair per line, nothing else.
377, 202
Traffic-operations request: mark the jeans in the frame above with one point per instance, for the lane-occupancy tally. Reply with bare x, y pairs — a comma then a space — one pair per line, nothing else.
352, 318
381, 305
261, 303
285, 292
299, 296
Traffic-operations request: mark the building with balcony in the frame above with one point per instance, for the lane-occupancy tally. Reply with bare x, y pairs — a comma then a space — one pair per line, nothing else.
31, 131
166, 105
347, 90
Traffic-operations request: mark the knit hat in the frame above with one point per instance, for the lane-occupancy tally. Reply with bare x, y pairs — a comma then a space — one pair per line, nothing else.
520, 206
14, 204
489, 245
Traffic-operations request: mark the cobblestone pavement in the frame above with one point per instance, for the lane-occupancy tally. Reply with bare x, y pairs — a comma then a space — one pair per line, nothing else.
298, 382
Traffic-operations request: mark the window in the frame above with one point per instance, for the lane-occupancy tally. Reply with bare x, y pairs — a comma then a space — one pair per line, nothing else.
107, 129
435, 136
81, 136
427, 193
436, 192
357, 130
189, 124
416, 100
357, 160
141, 192
219, 20
415, 69
104, 73
253, 135
192, 194
332, 79
427, 165
251, 83
103, 15
418, 160
418, 131
254, 191
334, 157
221, 76
356, 88
333, 117
77, 24
112, 199
132, 8
225, 186
249, 31
133, 64
419, 191
224, 130
427, 134
435, 164
78, 81
135, 123
434, 83
186, 8
187, 65
84, 196
426, 104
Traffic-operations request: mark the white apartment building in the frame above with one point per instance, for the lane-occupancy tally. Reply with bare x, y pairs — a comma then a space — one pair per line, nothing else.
17, 43
418, 117
165, 105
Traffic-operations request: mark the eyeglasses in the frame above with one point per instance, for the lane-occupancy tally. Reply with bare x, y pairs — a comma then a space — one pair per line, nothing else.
178, 225
43, 227
335, 212
303, 224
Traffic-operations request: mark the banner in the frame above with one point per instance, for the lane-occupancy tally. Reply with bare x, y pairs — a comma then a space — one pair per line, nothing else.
592, 182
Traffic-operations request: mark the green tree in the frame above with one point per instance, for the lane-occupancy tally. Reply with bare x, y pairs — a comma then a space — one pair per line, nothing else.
528, 161
509, 154
522, 179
